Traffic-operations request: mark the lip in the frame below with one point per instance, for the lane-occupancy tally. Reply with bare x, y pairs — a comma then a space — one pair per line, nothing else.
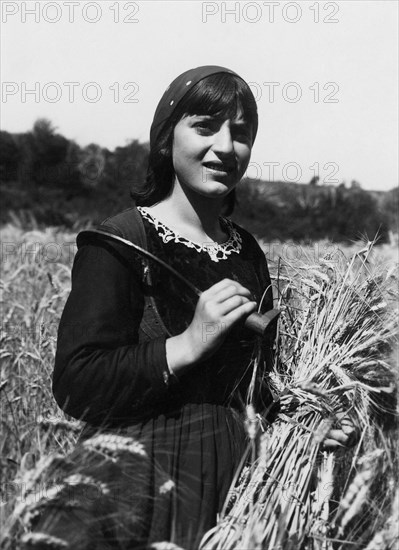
219, 168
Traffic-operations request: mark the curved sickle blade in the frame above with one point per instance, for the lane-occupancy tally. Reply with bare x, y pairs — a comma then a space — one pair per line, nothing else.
256, 322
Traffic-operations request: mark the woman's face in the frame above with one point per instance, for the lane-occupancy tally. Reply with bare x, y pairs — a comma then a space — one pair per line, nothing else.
210, 154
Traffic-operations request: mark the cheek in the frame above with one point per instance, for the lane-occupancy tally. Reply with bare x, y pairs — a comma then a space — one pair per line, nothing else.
183, 162
244, 154
178, 154
187, 150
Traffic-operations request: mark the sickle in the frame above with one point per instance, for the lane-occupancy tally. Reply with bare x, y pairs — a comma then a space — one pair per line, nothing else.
256, 322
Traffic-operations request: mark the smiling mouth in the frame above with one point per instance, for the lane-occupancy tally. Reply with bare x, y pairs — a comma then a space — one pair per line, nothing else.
219, 167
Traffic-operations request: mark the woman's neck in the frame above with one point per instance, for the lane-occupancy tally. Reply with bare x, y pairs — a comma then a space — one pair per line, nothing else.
190, 214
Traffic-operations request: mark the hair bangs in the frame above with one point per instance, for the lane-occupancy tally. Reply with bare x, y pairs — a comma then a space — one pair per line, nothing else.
220, 95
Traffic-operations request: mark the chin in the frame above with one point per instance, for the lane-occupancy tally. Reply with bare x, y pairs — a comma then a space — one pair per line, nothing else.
211, 189
220, 187
218, 192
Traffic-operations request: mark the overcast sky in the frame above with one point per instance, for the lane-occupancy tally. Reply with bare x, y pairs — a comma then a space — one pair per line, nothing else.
325, 75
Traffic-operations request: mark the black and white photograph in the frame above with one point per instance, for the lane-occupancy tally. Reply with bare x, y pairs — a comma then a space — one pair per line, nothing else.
199, 275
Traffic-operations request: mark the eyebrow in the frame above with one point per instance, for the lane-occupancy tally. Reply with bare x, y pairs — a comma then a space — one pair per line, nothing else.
239, 122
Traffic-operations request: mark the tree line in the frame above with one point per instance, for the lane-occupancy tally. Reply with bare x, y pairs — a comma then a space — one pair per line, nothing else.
47, 179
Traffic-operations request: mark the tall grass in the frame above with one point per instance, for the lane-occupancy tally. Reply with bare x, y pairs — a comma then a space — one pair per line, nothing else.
35, 281
334, 332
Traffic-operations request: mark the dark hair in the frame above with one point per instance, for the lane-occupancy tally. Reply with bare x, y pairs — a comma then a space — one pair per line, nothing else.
219, 94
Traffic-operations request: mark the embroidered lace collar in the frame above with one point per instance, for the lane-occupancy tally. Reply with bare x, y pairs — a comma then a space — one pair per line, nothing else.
216, 251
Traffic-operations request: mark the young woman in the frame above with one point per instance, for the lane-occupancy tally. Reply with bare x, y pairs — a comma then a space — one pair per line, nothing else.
147, 358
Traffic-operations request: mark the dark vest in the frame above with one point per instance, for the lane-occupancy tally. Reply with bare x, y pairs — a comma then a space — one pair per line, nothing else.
129, 225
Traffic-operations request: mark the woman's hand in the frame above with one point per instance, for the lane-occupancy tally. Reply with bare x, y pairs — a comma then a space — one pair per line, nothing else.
347, 435
217, 310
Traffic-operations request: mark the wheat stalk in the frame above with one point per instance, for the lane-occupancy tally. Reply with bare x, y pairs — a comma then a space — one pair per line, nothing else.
332, 361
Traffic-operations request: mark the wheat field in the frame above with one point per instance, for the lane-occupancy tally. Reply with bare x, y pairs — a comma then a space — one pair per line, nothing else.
35, 282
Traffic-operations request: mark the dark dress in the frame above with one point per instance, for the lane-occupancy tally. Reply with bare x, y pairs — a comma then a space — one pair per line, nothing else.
193, 430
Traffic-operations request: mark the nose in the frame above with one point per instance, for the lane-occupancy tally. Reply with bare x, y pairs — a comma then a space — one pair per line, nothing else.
223, 141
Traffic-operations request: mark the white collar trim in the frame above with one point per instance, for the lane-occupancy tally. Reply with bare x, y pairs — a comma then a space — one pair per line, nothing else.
216, 251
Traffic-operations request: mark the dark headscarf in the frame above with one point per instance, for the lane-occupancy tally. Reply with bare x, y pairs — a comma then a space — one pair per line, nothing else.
177, 90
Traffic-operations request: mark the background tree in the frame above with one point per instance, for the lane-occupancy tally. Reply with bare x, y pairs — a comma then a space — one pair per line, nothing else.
52, 179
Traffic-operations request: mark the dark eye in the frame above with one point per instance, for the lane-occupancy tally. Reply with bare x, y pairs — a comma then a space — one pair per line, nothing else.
206, 127
242, 133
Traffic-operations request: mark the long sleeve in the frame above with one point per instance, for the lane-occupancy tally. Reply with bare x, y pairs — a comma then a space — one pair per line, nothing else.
101, 371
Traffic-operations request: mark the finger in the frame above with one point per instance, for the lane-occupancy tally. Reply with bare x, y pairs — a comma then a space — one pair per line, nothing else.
330, 444
220, 285
230, 291
239, 313
348, 426
344, 419
224, 283
346, 439
231, 304
338, 435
